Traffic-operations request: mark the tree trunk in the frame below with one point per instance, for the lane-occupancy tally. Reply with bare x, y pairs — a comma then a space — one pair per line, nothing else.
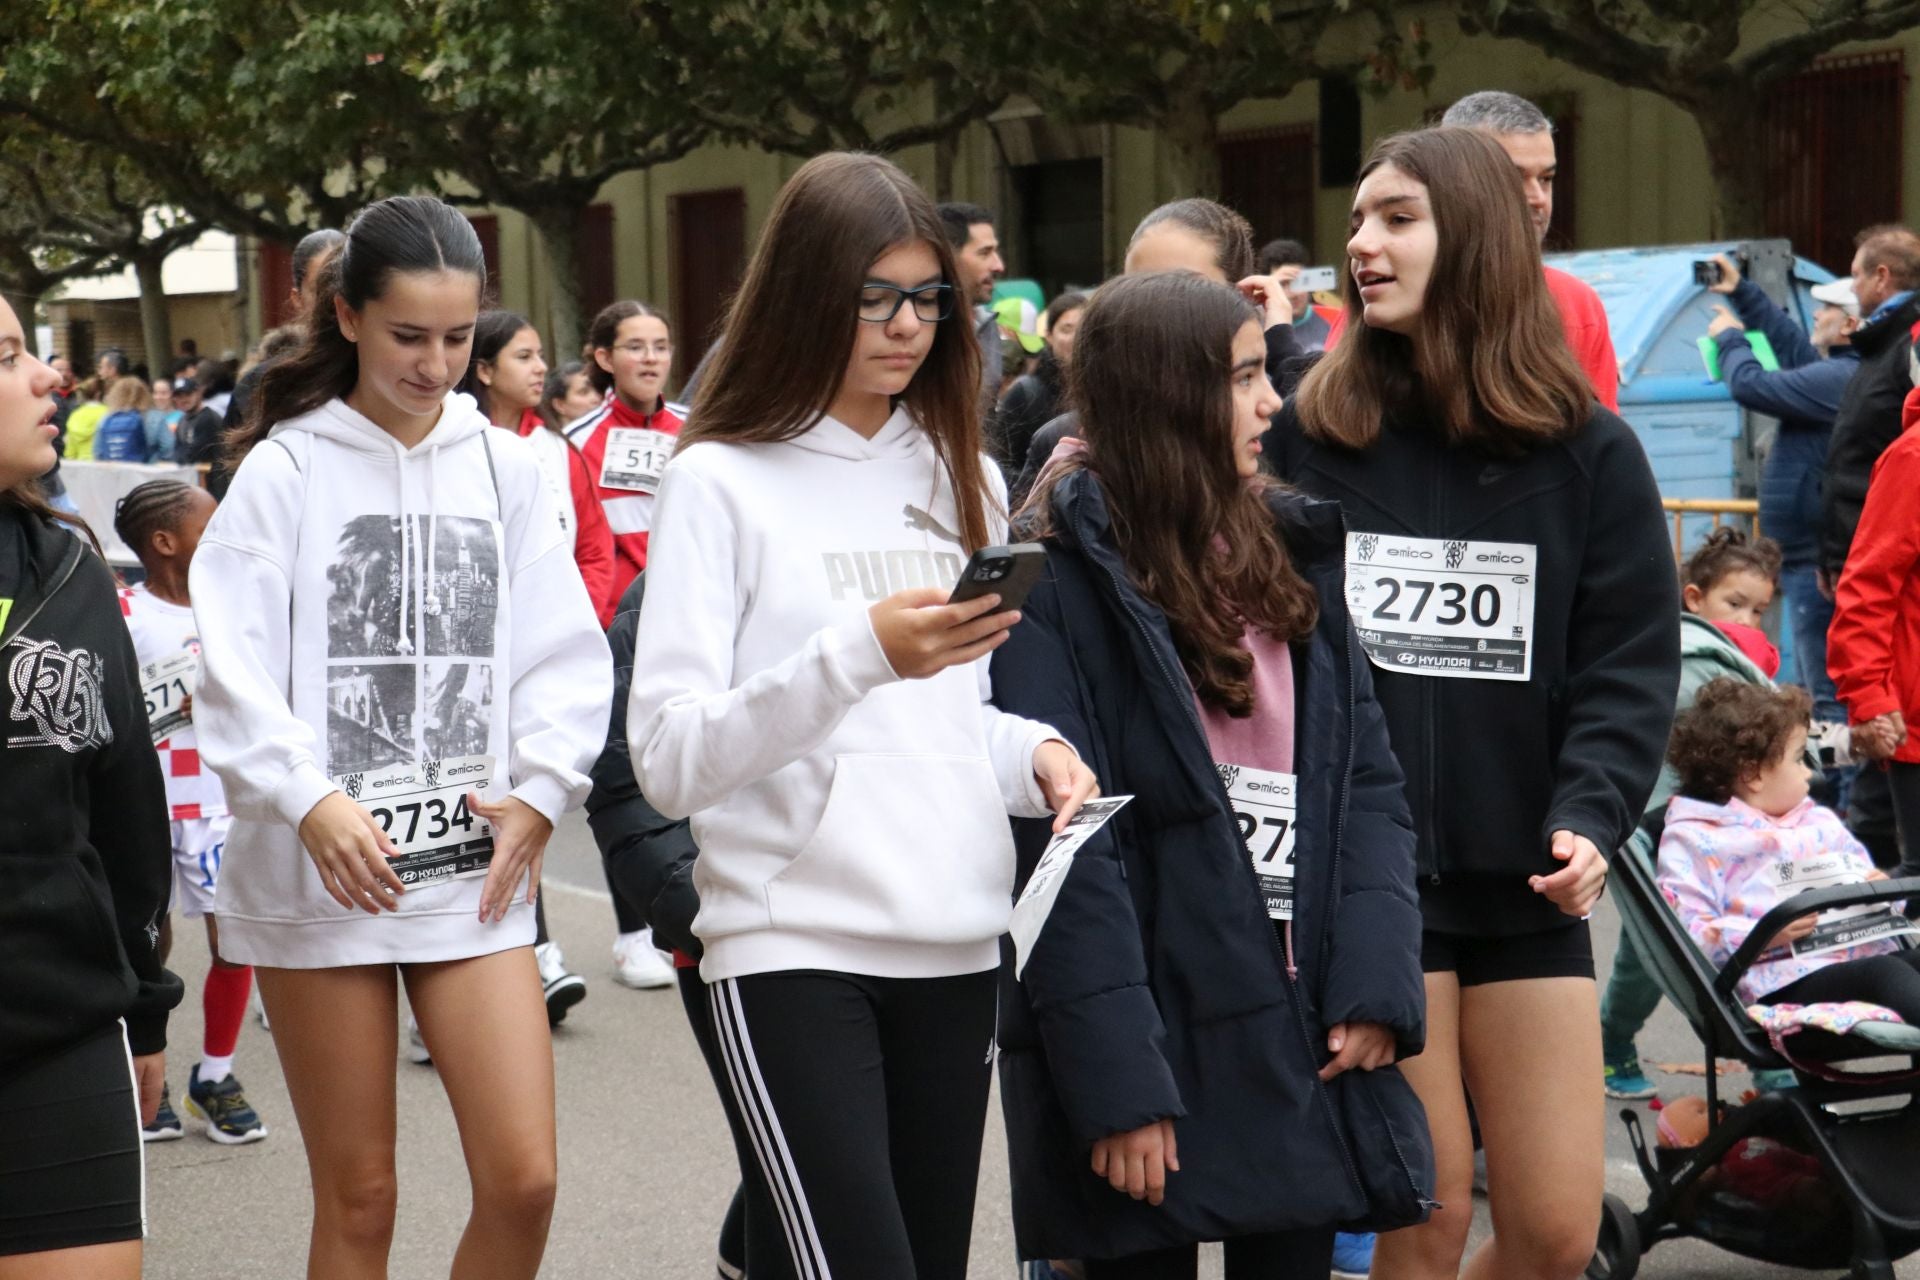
1738, 167
946, 150
558, 227
22, 301
1193, 145
155, 323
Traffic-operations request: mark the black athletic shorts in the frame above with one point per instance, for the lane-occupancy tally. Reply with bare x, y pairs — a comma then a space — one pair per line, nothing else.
71, 1169
1565, 952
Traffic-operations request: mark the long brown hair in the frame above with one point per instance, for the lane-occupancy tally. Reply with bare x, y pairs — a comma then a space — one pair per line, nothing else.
1491, 368
790, 331
1152, 377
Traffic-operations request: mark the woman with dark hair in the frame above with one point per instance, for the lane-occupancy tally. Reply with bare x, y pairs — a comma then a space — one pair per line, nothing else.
1511, 579
506, 378
804, 692
85, 871
1244, 934
568, 396
1036, 398
627, 441
403, 685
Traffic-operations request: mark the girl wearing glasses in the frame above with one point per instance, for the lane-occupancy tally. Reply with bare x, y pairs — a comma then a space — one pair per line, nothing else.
803, 690
627, 440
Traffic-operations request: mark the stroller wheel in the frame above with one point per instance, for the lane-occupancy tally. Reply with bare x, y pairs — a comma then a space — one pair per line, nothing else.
1616, 1256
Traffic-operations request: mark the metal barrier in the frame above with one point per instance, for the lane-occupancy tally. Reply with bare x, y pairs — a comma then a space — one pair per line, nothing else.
1678, 509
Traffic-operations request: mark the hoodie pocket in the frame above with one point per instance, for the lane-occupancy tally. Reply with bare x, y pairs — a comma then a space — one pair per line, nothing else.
60, 952
909, 847
1392, 1147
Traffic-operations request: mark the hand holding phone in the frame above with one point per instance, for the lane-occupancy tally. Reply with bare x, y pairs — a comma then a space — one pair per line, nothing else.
1008, 572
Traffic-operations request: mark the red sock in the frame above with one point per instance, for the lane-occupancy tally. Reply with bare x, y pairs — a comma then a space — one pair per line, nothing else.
224, 1002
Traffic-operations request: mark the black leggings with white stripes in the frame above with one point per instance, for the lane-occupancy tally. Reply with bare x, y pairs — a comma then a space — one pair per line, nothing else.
865, 1100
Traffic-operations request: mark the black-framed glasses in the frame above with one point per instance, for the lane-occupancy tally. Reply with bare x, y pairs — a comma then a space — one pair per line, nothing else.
880, 303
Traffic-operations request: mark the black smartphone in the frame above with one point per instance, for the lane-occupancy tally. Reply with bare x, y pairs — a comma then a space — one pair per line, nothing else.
1706, 273
1008, 572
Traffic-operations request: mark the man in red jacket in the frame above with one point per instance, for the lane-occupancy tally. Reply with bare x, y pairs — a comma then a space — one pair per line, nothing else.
1526, 135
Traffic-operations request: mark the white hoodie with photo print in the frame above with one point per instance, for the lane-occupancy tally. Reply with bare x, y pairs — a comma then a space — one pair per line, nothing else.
405, 625
847, 819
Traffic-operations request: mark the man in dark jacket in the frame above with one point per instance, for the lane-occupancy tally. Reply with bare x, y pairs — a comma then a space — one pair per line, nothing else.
197, 438
1886, 273
1804, 393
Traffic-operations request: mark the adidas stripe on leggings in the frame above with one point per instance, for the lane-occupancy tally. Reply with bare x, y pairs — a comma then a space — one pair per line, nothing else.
865, 1100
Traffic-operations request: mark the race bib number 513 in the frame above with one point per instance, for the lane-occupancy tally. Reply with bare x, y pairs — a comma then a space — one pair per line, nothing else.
634, 459
1443, 607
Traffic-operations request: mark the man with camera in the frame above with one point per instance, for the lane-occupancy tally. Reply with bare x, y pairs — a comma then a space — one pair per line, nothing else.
1804, 393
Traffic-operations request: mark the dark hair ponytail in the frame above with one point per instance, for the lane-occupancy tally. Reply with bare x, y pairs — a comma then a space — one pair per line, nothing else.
491, 333
398, 234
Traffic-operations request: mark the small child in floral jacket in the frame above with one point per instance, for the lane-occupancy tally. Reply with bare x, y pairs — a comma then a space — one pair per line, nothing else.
1742, 836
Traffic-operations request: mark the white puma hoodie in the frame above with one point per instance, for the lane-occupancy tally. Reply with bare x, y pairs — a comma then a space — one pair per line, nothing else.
383, 620
847, 819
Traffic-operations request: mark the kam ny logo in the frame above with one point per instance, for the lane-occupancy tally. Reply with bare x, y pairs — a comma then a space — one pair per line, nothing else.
61, 694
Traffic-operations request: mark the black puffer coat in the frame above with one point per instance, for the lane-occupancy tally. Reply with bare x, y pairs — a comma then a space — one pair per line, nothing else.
1159, 987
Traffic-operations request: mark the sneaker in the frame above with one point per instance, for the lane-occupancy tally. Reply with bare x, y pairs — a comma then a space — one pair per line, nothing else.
1625, 1080
638, 963
564, 990
223, 1108
166, 1124
1353, 1255
416, 1046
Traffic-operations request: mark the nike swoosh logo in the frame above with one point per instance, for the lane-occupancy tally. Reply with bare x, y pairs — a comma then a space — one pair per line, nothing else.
1495, 473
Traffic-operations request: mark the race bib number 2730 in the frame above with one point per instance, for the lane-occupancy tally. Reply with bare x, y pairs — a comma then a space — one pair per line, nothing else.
1443, 606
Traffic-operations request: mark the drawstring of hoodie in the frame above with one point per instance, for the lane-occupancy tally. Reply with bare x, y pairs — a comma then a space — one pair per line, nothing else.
404, 644
409, 555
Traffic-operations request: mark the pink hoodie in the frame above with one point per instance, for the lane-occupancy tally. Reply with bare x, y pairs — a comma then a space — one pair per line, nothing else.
1718, 871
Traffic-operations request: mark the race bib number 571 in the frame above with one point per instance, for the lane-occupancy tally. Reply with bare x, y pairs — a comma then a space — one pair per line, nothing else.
1442, 606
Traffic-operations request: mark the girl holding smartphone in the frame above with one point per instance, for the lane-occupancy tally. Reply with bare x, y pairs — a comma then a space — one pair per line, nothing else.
805, 692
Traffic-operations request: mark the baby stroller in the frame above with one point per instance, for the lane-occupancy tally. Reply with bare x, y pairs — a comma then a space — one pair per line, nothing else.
1864, 1132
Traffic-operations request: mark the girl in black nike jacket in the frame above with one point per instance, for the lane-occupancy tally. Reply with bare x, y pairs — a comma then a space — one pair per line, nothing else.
1509, 573
85, 867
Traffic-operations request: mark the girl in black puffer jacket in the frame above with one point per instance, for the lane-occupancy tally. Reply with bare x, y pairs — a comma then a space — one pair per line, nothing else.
1200, 1042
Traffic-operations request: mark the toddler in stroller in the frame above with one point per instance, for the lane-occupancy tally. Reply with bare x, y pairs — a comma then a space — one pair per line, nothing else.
1742, 836
1772, 932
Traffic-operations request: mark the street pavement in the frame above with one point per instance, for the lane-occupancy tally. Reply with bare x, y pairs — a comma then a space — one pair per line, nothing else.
646, 1167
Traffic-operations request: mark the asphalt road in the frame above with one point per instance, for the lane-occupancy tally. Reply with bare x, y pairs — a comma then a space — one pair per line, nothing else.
645, 1165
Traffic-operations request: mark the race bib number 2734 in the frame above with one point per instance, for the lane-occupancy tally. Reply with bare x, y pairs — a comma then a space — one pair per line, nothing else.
1443, 606
423, 808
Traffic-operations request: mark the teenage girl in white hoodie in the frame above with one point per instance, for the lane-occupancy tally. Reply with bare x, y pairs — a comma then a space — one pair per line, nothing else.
803, 691
404, 684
